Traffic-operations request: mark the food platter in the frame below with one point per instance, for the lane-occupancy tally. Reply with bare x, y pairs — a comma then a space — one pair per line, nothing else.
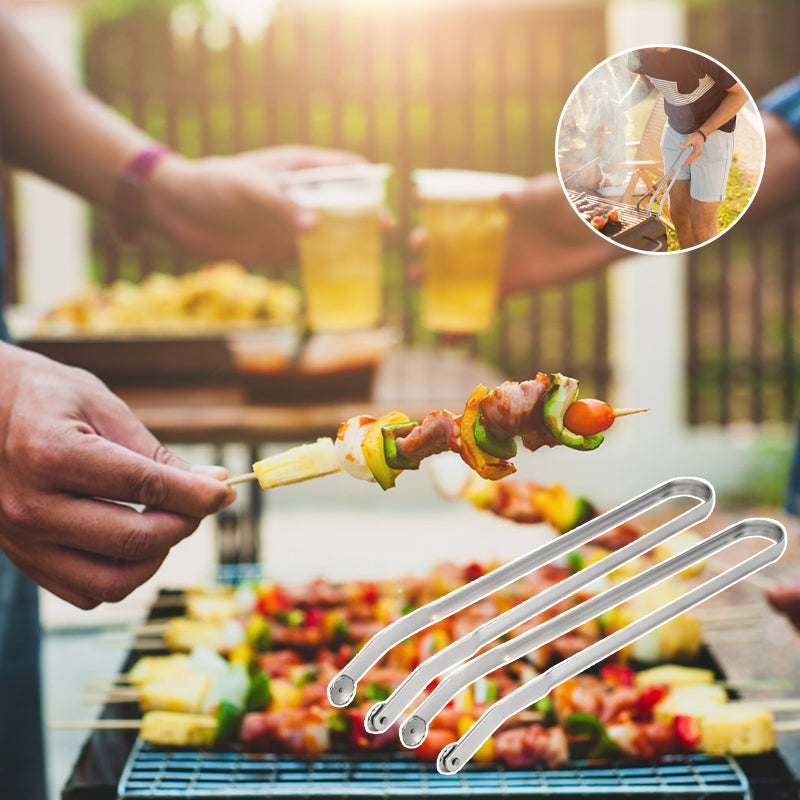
335, 367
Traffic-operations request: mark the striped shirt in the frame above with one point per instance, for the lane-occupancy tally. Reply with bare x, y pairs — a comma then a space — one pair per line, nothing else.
692, 85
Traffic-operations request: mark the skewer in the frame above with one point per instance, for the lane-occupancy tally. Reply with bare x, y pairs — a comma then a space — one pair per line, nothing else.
95, 724
250, 476
626, 412
786, 725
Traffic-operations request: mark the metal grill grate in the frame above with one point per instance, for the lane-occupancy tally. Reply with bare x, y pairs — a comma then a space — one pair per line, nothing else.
634, 228
156, 773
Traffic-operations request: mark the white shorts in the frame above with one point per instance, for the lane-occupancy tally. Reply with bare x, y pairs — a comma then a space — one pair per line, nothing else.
709, 174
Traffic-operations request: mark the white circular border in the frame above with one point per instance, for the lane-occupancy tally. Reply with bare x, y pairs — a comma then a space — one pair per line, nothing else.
760, 127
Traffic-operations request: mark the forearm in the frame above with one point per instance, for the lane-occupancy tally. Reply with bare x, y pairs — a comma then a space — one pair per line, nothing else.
55, 128
726, 110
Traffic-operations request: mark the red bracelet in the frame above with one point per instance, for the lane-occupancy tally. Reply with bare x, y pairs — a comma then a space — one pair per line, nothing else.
128, 210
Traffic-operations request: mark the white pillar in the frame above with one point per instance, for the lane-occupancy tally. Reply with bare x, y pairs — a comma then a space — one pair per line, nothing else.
52, 225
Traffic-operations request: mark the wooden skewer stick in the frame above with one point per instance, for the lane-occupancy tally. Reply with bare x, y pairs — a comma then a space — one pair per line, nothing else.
786, 725
758, 684
625, 412
95, 724
250, 476
779, 703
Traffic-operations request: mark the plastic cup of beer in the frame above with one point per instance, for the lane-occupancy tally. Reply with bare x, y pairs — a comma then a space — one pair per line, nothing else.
341, 260
466, 228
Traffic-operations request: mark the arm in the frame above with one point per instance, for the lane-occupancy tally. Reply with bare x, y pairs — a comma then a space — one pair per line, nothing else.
733, 101
212, 208
54, 128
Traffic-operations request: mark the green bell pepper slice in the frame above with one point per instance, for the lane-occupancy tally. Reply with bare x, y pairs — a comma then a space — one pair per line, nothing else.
390, 434
560, 396
490, 442
597, 744
258, 693
229, 720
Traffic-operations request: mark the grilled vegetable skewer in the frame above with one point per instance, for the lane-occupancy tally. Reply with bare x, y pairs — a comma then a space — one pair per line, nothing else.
542, 412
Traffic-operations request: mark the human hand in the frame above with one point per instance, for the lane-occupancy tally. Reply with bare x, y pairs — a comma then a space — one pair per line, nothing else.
234, 206
696, 142
784, 597
70, 448
547, 243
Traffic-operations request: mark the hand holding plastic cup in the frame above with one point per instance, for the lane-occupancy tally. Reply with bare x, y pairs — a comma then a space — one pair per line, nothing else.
341, 266
466, 228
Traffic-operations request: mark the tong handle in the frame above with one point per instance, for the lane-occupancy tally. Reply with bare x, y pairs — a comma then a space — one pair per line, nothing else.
453, 757
342, 688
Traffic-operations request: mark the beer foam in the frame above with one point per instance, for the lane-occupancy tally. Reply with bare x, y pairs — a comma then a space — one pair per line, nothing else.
458, 184
346, 187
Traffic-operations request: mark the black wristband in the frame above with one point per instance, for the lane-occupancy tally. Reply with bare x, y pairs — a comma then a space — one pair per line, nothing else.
705, 138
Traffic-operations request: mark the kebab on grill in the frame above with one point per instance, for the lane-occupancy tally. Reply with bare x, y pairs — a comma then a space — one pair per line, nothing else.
598, 217
538, 411
668, 709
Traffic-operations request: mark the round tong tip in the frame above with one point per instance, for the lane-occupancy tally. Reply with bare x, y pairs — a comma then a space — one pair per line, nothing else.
446, 764
413, 732
341, 690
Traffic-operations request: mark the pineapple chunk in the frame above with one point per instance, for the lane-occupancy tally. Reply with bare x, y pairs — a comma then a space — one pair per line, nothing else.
183, 634
284, 695
673, 675
178, 730
150, 668
690, 700
297, 464
736, 728
185, 693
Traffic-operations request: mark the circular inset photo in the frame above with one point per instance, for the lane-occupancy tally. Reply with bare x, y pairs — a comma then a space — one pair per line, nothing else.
660, 149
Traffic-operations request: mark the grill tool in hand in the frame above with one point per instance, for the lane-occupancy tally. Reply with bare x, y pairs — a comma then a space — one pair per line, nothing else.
661, 190
342, 688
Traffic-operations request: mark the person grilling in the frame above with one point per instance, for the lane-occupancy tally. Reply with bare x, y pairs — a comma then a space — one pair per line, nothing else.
701, 100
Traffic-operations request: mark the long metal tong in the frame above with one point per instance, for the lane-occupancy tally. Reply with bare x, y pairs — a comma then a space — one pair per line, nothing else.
662, 189
342, 688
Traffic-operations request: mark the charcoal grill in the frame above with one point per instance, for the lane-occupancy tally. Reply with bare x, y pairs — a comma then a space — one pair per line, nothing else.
636, 227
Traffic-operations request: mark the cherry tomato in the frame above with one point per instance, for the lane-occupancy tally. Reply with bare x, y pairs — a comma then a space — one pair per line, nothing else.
436, 739
587, 417
687, 730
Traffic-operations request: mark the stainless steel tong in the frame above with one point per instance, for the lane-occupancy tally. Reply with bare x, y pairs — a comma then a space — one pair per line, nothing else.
342, 688
661, 190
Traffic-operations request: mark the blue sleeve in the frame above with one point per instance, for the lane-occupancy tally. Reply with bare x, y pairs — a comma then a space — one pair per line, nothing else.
785, 102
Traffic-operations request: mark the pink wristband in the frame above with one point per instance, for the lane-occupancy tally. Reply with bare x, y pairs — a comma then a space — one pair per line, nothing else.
128, 210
